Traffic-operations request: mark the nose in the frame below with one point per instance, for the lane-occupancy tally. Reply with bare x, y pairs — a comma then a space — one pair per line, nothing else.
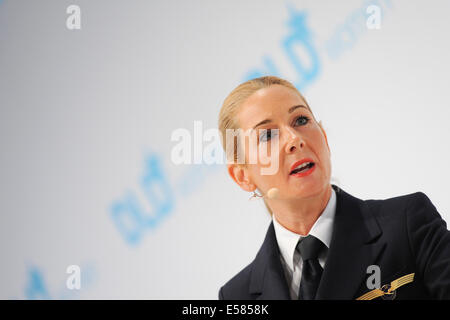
294, 141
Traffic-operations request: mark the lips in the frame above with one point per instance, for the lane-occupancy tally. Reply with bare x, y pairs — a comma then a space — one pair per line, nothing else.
295, 167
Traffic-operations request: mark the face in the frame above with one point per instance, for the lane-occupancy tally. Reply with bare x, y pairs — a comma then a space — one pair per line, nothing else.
299, 137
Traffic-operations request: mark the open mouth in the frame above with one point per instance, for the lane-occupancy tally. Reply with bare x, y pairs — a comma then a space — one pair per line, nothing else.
303, 167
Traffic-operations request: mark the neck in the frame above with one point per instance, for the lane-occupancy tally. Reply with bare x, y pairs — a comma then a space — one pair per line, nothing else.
299, 215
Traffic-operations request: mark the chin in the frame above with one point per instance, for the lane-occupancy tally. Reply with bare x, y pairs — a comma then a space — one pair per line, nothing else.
311, 188
306, 192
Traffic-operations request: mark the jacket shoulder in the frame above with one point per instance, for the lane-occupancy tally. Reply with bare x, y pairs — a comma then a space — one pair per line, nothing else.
400, 216
237, 287
395, 207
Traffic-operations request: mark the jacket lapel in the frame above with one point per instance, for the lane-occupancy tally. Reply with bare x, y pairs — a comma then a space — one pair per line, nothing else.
267, 277
354, 246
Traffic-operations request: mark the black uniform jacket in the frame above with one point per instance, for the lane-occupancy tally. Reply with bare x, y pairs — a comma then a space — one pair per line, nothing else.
401, 235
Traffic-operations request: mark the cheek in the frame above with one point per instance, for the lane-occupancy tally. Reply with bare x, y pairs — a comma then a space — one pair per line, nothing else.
266, 154
265, 181
325, 157
251, 151
322, 151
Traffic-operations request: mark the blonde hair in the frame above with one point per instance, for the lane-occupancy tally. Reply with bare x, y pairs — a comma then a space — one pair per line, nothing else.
232, 103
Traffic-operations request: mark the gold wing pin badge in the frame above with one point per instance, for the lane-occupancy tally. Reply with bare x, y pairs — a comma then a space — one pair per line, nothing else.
388, 290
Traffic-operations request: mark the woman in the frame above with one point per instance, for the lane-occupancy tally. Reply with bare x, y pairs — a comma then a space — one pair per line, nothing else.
323, 243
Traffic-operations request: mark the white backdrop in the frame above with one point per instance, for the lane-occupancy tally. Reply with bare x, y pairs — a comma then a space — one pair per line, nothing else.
87, 116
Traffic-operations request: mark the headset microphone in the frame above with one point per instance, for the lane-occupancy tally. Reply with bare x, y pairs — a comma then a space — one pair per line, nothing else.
273, 193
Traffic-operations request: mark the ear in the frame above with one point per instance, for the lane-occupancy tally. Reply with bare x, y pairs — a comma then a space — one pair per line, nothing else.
325, 134
240, 175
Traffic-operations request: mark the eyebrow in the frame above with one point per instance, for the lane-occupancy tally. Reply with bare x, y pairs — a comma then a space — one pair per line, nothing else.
291, 109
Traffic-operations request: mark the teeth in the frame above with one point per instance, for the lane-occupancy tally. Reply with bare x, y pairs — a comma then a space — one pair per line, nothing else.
302, 165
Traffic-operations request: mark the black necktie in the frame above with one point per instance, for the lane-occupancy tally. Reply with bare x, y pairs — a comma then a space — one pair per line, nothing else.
310, 248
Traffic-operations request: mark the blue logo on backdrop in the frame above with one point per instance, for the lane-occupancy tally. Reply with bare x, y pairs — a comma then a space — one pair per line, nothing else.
36, 288
343, 38
129, 215
299, 37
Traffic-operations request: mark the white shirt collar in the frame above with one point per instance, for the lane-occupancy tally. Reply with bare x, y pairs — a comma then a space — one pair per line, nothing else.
322, 230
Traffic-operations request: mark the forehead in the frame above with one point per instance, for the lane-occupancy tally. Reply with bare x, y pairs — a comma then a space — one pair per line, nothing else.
267, 103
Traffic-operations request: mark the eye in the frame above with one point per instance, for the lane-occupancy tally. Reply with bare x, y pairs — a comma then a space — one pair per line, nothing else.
302, 120
266, 134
